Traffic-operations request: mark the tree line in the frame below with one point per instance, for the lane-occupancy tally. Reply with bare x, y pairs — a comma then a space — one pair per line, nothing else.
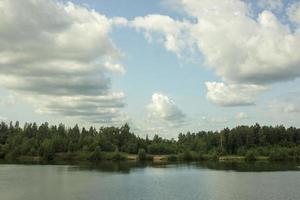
47, 141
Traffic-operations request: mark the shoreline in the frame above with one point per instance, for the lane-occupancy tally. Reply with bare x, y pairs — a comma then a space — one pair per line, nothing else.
107, 156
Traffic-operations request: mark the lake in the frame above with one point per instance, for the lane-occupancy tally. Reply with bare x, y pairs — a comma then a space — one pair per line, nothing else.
145, 181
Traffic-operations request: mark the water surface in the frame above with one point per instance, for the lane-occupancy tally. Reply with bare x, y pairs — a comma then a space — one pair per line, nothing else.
130, 181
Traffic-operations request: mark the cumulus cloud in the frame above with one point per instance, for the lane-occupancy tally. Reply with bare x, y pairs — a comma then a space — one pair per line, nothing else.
163, 110
240, 48
58, 55
284, 107
9, 100
293, 12
215, 120
232, 94
170, 32
115, 67
241, 116
96, 109
3, 118
224, 120
289, 103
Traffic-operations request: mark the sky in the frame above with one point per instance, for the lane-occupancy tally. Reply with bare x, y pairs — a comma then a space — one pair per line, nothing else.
163, 66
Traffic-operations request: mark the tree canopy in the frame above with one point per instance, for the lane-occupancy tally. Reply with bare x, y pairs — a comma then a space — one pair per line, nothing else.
47, 140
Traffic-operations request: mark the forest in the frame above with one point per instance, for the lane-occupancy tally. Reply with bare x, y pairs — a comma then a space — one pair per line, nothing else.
50, 142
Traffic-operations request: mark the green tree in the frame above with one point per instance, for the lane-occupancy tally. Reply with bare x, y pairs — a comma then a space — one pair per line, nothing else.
47, 150
96, 155
142, 154
250, 156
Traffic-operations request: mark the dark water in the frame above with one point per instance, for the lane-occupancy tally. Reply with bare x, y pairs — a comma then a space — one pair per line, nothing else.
136, 181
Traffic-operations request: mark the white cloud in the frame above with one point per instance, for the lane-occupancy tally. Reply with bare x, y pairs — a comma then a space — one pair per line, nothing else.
240, 48
173, 32
241, 116
215, 120
95, 109
9, 100
225, 120
288, 103
162, 117
164, 110
232, 95
58, 55
293, 12
283, 107
119, 21
118, 68
3, 118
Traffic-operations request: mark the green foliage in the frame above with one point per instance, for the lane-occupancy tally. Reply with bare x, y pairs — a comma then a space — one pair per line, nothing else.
191, 156
2, 153
12, 155
48, 142
279, 154
149, 157
172, 157
187, 156
250, 156
96, 155
117, 156
142, 154
46, 150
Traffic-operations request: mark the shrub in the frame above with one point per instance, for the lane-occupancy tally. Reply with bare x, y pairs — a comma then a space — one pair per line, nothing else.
142, 154
172, 158
96, 155
149, 157
12, 155
47, 150
278, 155
2, 154
117, 156
241, 151
191, 156
250, 156
187, 156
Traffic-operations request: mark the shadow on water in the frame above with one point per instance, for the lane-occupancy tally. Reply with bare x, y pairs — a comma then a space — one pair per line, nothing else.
128, 166
251, 167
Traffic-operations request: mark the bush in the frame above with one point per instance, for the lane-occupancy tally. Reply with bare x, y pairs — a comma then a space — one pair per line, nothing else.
96, 155
47, 150
296, 153
172, 158
250, 156
142, 154
2, 154
12, 155
149, 157
117, 156
241, 151
278, 155
191, 156
187, 156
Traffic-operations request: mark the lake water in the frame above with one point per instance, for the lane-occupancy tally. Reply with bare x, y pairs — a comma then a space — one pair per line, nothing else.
132, 181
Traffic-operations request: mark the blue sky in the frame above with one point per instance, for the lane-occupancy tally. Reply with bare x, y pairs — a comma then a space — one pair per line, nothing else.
185, 69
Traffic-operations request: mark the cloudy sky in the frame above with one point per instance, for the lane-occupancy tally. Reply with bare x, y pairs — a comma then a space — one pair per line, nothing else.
163, 66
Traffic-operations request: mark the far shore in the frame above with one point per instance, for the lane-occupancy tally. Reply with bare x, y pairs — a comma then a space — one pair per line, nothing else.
108, 156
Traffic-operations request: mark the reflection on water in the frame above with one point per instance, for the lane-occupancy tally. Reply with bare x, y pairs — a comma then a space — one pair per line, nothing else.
147, 181
252, 167
126, 167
